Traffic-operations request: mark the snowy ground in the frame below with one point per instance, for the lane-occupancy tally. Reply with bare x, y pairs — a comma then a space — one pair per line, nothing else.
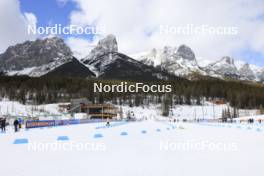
15, 108
150, 148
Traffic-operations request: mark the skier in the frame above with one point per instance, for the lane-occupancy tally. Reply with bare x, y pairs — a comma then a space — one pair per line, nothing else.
1, 121
16, 123
107, 123
20, 123
3, 125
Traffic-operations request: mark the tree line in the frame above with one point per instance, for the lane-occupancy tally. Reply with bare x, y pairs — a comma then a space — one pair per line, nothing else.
45, 90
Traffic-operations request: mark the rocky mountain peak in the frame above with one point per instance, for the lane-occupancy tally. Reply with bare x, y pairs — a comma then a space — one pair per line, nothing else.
185, 52
104, 46
228, 60
224, 66
246, 72
246, 66
34, 54
106, 62
177, 61
260, 75
35, 58
109, 43
154, 51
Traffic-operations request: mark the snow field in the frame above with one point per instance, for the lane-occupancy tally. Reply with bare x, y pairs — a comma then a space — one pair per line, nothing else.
15, 108
136, 153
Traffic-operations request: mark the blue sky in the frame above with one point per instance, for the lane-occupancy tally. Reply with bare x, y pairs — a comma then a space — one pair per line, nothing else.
250, 56
51, 12
48, 11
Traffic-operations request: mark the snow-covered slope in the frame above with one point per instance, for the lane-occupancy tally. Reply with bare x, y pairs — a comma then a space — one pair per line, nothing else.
16, 109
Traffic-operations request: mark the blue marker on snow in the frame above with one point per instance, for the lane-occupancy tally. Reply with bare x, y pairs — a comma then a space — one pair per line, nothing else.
63, 138
123, 133
144, 132
98, 135
21, 141
259, 130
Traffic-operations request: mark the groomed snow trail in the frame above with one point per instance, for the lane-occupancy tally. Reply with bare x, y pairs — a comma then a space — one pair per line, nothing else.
135, 149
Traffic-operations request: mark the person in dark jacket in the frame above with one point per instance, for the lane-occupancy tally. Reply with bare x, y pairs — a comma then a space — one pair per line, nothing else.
107, 123
16, 123
3, 125
1, 121
20, 123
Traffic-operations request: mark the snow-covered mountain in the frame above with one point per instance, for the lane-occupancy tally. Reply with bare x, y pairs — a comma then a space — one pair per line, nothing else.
37, 58
104, 46
179, 61
260, 75
258, 72
107, 62
51, 56
246, 72
236, 69
224, 67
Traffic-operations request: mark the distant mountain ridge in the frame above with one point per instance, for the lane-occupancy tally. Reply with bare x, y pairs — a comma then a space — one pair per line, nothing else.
181, 61
52, 57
